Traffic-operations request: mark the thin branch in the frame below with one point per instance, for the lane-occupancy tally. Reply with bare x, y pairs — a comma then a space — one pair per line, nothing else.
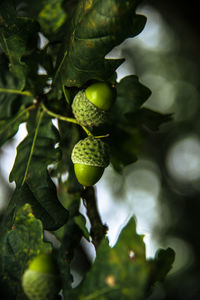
59, 67
98, 229
66, 119
62, 118
13, 91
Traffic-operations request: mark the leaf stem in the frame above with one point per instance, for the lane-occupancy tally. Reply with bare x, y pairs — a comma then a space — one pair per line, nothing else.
98, 229
65, 94
41, 113
59, 67
13, 91
7, 49
66, 119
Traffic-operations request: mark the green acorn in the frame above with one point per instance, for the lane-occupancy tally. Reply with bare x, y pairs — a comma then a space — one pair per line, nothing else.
90, 107
41, 281
90, 157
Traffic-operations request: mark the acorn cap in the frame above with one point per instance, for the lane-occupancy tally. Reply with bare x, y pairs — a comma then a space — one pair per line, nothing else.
40, 286
92, 152
86, 113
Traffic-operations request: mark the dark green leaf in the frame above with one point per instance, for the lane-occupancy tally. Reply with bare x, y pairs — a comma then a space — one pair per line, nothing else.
124, 152
9, 127
97, 27
13, 103
39, 71
11, 98
18, 246
18, 37
162, 264
131, 94
146, 118
34, 154
69, 241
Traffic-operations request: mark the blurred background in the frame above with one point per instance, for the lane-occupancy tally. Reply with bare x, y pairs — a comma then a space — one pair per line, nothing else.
162, 189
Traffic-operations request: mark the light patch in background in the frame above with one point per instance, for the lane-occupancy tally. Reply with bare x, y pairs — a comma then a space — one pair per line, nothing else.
43, 41
183, 159
164, 93
142, 186
156, 35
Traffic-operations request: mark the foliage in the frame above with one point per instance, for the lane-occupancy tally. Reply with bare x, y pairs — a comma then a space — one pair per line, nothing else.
79, 35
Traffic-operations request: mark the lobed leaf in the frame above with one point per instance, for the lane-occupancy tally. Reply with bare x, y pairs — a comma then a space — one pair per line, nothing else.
122, 272
19, 244
131, 94
18, 38
97, 27
34, 154
118, 273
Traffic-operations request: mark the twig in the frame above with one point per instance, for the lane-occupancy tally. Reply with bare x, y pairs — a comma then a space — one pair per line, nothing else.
98, 229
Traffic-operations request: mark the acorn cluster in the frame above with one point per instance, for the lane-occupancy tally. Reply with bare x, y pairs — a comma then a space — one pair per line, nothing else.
91, 108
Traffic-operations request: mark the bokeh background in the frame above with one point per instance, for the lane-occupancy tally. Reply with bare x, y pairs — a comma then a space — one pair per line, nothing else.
162, 189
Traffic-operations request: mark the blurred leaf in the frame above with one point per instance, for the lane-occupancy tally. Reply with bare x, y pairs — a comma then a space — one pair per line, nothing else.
147, 118
125, 143
131, 94
122, 272
51, 16
34, 154
18, 246
48, 13
162, 264
118, 273
18, 37
97, 27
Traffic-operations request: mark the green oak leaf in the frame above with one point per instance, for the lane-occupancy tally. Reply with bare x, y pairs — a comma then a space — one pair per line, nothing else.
125, 152
34, 154
9, 127
131, 94
19, 244
13, 103
97, 27
18, 38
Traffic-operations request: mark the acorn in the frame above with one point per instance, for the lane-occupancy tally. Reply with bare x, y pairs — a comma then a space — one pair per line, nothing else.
90, 107
41, 280
90, 157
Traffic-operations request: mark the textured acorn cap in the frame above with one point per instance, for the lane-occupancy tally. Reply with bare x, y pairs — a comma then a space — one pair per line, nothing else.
40, 286
91, 152
86, 113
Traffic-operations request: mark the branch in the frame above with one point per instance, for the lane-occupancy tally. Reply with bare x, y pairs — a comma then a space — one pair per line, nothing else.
98, 229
